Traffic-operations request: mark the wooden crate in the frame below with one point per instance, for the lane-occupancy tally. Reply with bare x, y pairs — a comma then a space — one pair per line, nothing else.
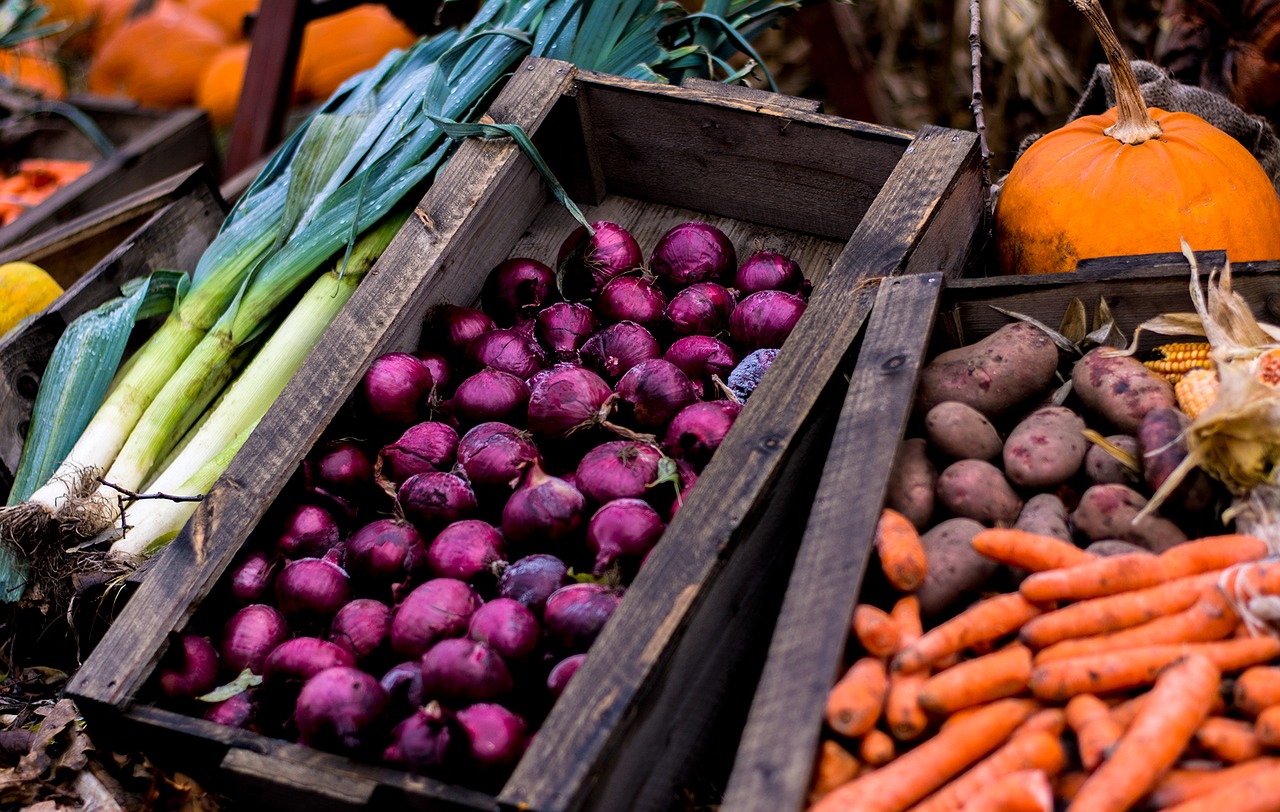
151, 145
912, 320
850, 201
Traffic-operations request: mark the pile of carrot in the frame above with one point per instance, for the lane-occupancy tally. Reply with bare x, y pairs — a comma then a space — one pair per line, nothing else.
32, 183
1101, 684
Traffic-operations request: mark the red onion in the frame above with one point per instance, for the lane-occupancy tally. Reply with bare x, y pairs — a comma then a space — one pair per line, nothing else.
618, 469
544, 508
494, 455
190, 669
532, 579
766, 270
657, 390
310, 531
511, 350
403, 683
764, 320
439, 367
385, 552
342, 468
338, 709
496, 737
462, 670
565, 398
362, 627
237, 711
433, 500
585, 262
632, 298
507, 626
312, 589
700, 309
693, 252
623, 528
424, 447
395, 387
440, 608
619, 347
465, 549
575, 614
424, 741
697, 431
491, 395
700, 357
302, 658
565, 326
517, 288
250, 635
747, 374
455, 327
561, 673
254, 577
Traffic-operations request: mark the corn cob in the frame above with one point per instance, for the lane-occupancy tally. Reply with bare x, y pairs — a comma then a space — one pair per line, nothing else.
1196, 391
1172, 361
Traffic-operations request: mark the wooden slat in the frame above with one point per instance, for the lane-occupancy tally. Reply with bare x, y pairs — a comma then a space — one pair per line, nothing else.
268, 86
779, 744
762, 99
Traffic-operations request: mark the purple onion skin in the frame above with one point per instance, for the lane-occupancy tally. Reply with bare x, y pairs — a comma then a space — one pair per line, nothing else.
491, 395
440, 368
619, 347
250, 635
425, 741
510, 350
532, 579
340, 468
462, 670
767, 270
764, 320
702, 308
617, 469
543, 509
395, 387
430, 501
385, 552
301, 658
362, 627
237, 711
254, 578
403, 683
191, 668
339, 709
632, 298
466, 549
312, 589
517, 288
693, 252
424, 447
440, 608
508, 627
564, 398
456, 327
496, 737
562, 672
576, 613
494, 455
747, 374
700, 357
310, 531
565, 326
587, 262
657, 390
697, 431
623, 528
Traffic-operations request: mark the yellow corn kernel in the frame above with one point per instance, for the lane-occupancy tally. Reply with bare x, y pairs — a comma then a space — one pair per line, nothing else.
1171, 361
1196, 391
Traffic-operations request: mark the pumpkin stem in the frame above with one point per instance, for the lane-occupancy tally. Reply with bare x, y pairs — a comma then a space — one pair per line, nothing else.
1133, 124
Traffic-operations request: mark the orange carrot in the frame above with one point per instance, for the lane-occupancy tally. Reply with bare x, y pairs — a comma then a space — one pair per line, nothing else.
914, 774
901, 553
1095, 730
1046, 720
1214, 553
1095, 579
1179, 704
1067, 785
1257, 792
1257, 689
902, 711
906, 616
1028, 551
835, 766
875, 630
1033, 751
1267, 727
978, 681
1125, 712
854, 703
1021, 791
1180, 786
985, 620
1229, 740
877, 748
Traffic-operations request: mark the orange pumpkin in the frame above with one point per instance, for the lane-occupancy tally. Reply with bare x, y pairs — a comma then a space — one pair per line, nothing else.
1132, 181
27, 66
226, 14
219, 91
338, 47
157, 59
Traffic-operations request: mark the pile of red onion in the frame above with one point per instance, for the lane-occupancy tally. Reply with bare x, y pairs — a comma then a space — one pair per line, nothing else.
442, 563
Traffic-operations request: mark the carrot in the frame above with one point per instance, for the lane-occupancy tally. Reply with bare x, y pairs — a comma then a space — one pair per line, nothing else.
985, 620
1096, 579
854, 703
1267, 727
1067, 785
1028, 551
1179, 704
1021, 791
1256, 792
1090, 719
835, 766
1229, 740
914, 774
978, 681
877, 748
1180, 786
1046, 720
901, 553
1257, 689
902, 711
875, 630
1215, 553
1033, 751
1125, 712
906, 616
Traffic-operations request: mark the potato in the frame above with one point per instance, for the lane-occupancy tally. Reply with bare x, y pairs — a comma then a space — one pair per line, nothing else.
976, 489
1045, 515
1107, 512
1013, 364
1162, 445
912, 483
1110, 547
1119, 389
962, 432
1104, 469
955, 569
1046, 449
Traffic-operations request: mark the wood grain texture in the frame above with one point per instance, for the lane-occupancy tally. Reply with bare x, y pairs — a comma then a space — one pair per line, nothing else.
780, 742
762, 99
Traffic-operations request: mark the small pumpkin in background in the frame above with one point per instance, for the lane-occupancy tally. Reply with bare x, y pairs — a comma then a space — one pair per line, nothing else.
219, 90
1134, 180
226, 14
25, 289
337, 47
27, 66
157, 59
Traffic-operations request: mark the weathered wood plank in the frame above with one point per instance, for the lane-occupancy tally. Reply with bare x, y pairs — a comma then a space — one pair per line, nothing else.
779, 744
762, 99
